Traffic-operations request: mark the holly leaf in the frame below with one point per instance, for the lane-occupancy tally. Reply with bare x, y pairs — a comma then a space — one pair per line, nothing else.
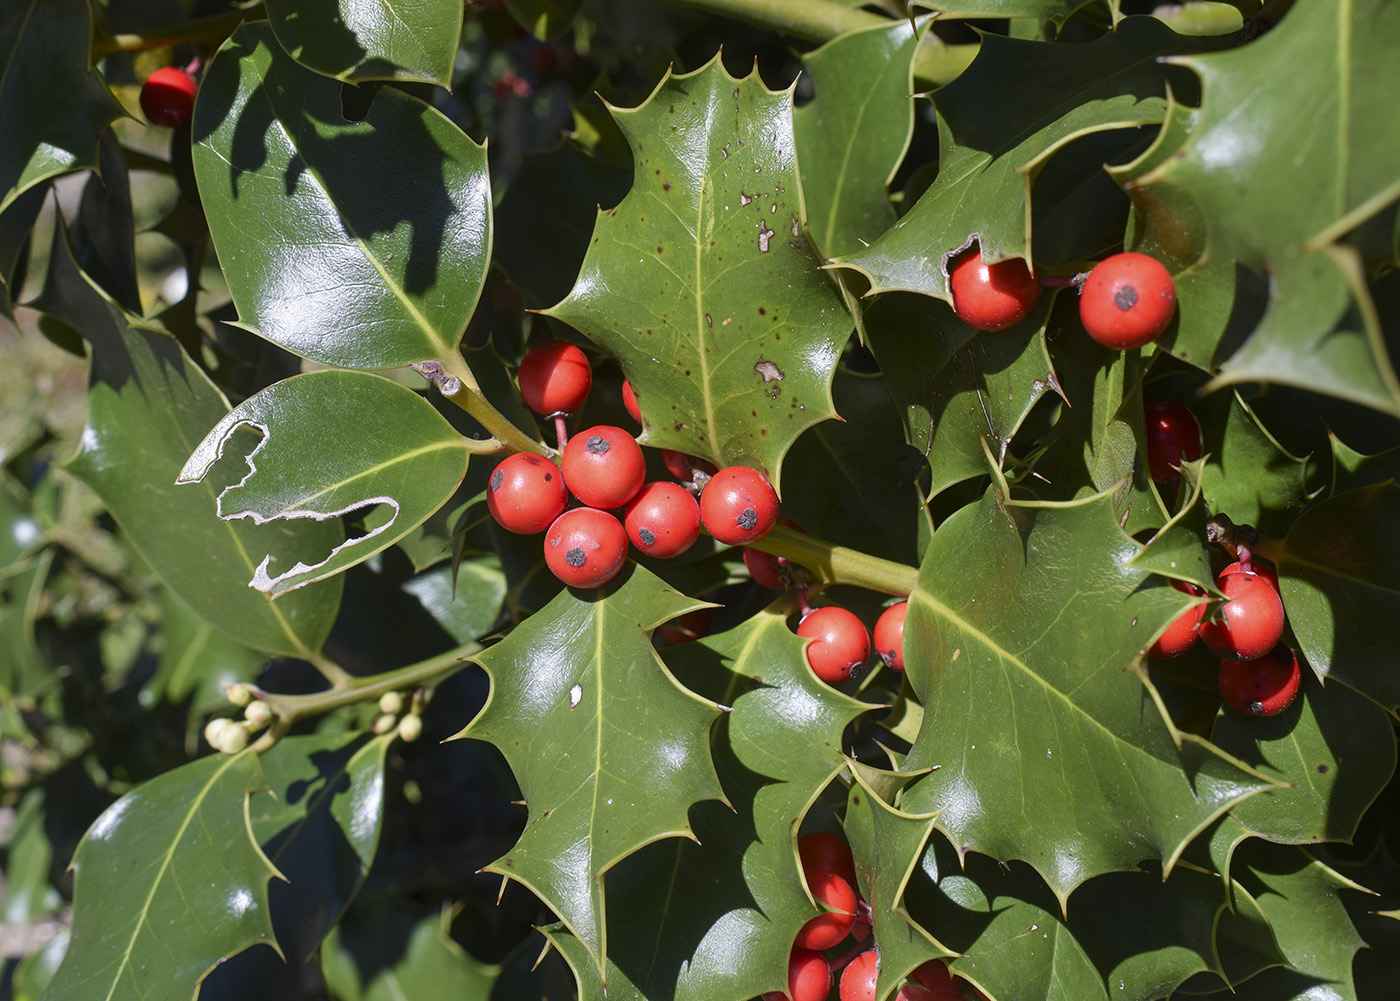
1250, 476
388, 951
1018, 708
852, 136
988, 160
54, 105
16, 223
1057, 11
304, 205
176, 853
371, 39
954, 387
1352, 469
609, 750
402, 472
701, 282
1341, 588
147, 403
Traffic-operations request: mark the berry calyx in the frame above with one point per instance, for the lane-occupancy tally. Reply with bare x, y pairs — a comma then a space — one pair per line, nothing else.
840, 645
1173, 437
585, 547
684, 467
526, 493
889, 636
167, 96
629, 400
555, 378
1265, 686
1250, 621
826, 930
1181, 635
992, 296
663, 520
860, 976
738, 506
604, 466
1127, 301
769, 570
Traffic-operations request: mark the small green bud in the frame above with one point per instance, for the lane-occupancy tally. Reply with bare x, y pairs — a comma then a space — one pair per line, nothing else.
391, 703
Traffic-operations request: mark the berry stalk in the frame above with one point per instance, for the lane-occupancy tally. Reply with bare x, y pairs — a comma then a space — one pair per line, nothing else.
833, 564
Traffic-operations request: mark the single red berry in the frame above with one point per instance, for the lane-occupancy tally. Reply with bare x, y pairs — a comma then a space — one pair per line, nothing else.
1181, 635
860, 976
829, 928
1250, 621
683, 467
604, 466
167, 96
629, 400
935, 978
840, 645
1173, 437
769, 570
992, 296
690, 626
585, 548
809, 977
913, 992
822, 852
526, 493
555, 378
1127, 301
738, 505
889, 635
1258, 566
1262, 687
663, 520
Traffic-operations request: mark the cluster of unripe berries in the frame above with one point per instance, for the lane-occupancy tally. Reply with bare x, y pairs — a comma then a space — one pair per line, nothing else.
1126, 301
830, 872
1259, 675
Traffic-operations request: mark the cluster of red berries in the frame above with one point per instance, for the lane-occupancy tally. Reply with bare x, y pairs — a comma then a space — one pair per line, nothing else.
830, 872
1126, 301
1259, 675
603, 469
167, 96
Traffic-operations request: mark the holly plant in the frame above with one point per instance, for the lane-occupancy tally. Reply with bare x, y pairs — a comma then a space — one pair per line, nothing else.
700, 500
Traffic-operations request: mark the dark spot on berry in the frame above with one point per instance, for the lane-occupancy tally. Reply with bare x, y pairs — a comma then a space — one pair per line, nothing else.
549, 477
645, 534
597, 444
747, 519
854, 671
575, 557
887, 656
1125, 298
1254, 708
498, 478
1322, 769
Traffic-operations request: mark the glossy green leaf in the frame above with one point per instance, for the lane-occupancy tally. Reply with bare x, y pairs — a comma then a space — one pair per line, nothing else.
29, 896
1054, 10
465, 600
544, 18
362, 244
735, 900
168, 882
386, 952
147, 405
609, 750
15, 224
953, 387
701, 281
1341, 589
1250, 477
375, 445
1351, 469
371, 39
53, 104
1334, 748
1047, 747
988, 159
104, 231
196, 660
852, 136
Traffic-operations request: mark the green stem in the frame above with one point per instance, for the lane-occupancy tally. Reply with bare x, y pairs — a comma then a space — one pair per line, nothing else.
810, 20
211, 30
460, 386
835, 564
330, 670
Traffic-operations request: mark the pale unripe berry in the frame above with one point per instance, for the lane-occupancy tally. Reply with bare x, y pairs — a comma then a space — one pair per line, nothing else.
410, 728
391, 703
384, 723
226, 736
258, 714
239, 694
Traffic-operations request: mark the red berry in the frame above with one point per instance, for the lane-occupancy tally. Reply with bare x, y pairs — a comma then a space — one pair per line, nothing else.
604, 466
935, 978
829, 928
683, 466
1127, 301
585, 548
1180, 636
629, 400
889, 635
690, 626
859, 979
526, 493
555, 378
840, 645
663, 520
769, 570
1262, 687
167, 96
822, 852
1173, 437
738, 505
1251, 619
913, 992
992, 296
809, 977
1261, 568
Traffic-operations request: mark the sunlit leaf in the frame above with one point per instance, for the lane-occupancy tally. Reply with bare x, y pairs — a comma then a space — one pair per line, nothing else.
371, 39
